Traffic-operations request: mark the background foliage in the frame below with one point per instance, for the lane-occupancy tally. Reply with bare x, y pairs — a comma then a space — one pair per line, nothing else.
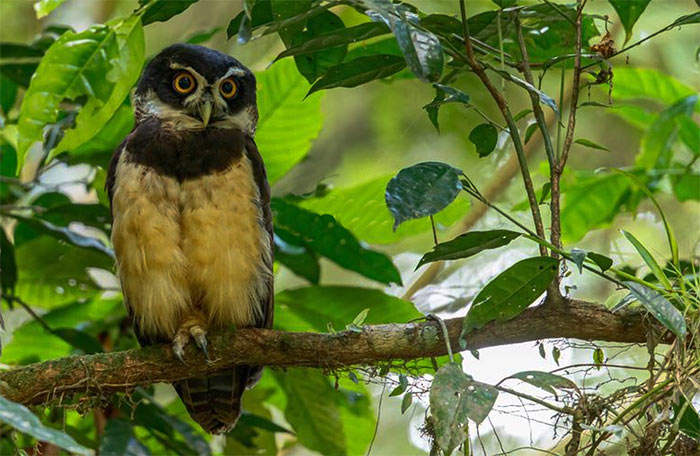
334, 141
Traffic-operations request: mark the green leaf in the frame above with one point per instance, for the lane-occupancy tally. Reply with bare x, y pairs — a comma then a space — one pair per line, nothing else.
659, 307
591, 144
283, 10
18, 62
422, 190
313, 65
658, 140
421, 49
603, 262
545, 380
541, 96
19, 417
444, 94
598, 356
511, 292
312, 308
531, 129
8, 94
8, 265
362, 210
312, 411
485, 138
359, 71
79, 339
687, 187
326, 236
689, 423
31, 342
504, 3
203, 36
646, 83
401, 387
590, 203
64, 234
89, 63
291, 252
261, 14
629, 12
579, 256
335, 38
649, 260
44, 7
288, 123
468, 244
94, 116
118, 440
455, 397
163, 10
689, 132
406, 402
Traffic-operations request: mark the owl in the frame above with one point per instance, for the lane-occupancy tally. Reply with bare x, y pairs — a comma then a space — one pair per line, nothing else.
191, 220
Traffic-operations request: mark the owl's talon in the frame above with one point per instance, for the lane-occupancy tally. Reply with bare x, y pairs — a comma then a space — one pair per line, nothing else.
200, 338
179, 350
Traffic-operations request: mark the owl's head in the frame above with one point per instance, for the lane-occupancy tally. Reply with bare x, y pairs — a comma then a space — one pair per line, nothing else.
192, 87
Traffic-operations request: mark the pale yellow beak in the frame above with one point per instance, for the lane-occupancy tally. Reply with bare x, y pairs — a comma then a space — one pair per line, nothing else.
205, 112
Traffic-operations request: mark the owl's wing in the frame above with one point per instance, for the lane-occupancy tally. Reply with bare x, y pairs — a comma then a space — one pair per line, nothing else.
112, 171
260, 176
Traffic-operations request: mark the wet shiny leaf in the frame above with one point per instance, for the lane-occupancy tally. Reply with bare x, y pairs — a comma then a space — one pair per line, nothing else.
544, 380
422, 190
315, 64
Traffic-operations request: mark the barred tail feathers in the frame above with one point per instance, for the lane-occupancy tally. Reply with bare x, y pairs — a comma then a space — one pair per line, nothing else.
215, 401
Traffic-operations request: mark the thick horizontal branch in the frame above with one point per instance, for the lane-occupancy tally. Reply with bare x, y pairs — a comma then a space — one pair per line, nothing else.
121, 371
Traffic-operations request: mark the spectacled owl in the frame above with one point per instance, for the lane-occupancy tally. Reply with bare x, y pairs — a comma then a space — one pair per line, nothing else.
192, 227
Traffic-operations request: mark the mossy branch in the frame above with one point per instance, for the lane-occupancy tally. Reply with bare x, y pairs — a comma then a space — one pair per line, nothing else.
106, 373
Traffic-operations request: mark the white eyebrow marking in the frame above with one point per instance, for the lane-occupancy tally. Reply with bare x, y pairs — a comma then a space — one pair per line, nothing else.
234, 71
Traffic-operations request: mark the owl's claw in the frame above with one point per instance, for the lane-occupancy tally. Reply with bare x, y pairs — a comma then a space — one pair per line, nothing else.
192, 326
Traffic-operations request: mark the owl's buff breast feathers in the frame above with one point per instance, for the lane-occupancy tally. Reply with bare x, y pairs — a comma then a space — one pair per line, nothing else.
188, 244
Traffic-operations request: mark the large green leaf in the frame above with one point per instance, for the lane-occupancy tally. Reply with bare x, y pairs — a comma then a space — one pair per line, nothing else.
647, 83
658, 140
689, 423
629, 12
660, 307
77, 64
421, 49
335, 38
324, 235
591, 203
362, 210
313, 308
422, 190
163, 10
126, 68
313, 65
484, 137
454, 398
288, 123
19, 417
359, 71
312, 410
468, 244
687, 187
511, 292
51, 274
291, 252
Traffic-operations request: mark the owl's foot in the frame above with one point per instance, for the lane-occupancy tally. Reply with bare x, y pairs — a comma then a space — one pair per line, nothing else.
192, 326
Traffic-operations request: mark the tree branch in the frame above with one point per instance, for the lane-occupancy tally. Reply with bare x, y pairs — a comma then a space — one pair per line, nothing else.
100, 374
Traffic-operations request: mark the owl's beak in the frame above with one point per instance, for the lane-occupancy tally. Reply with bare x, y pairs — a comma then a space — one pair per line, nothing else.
205, 112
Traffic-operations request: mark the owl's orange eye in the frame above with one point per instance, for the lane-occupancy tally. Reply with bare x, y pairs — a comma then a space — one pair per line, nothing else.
228, 88
183, 82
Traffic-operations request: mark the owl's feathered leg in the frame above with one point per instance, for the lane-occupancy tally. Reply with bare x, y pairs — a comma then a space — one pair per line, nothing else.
193, 325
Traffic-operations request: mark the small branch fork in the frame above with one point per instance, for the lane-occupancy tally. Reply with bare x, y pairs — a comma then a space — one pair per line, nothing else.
100, 374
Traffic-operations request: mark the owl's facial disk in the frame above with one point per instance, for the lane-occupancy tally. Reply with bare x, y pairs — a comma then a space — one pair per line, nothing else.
192, 88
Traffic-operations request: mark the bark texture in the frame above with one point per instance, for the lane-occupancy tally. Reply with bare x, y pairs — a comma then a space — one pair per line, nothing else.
101, 374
